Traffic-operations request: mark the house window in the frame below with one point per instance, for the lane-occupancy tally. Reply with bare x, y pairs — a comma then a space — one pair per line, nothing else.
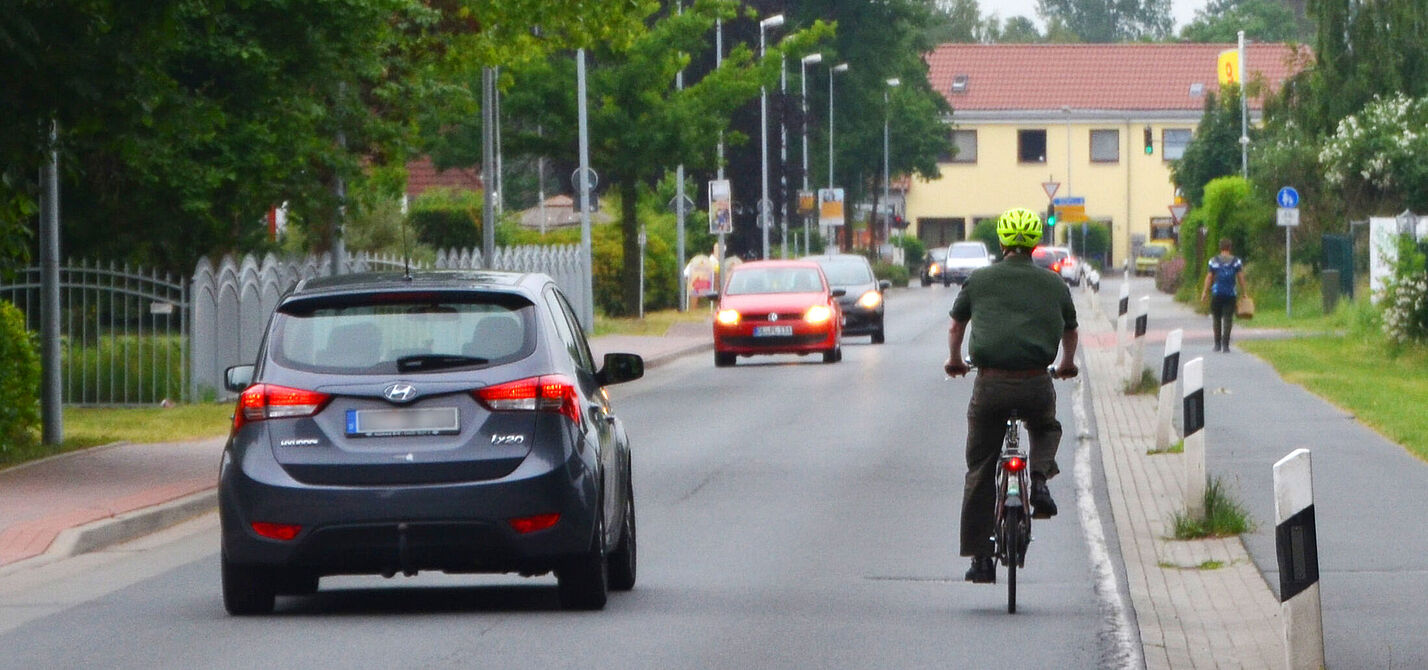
1105, 146
965, 141
1174, 140
1031, 146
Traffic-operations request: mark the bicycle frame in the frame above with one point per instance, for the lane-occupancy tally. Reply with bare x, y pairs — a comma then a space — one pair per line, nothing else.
1013, 490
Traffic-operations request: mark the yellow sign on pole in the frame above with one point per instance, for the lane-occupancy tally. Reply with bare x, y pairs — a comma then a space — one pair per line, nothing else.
1228, 67
1071, 213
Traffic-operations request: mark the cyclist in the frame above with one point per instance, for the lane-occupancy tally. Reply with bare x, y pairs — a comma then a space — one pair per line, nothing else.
1019, 314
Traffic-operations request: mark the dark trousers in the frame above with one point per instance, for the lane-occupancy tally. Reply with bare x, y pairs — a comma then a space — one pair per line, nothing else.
993, 399
1222, 311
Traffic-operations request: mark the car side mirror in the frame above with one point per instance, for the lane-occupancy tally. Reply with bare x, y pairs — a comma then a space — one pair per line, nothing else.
620, 368
237, 378
838, 292
884, 285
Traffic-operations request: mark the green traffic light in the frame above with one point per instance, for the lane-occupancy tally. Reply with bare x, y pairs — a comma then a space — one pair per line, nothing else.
1149, 149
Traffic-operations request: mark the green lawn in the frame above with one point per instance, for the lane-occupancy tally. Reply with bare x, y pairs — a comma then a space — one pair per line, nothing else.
88, 427
654, 323
1360, 373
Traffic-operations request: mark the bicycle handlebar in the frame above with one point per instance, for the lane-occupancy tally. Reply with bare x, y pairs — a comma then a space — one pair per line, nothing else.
1050, 369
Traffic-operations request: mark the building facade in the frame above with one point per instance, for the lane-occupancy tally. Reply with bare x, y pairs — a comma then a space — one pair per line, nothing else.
1103, 122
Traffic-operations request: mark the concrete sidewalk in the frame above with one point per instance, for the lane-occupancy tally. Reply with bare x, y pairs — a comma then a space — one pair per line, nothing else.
1198, 603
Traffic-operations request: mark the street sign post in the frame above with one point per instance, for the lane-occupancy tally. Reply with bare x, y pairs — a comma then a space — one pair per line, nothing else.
1050, 187
1070, 209
1177, 212
1288, 218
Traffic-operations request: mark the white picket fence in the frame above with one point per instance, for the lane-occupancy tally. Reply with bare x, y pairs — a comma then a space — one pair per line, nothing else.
232, 299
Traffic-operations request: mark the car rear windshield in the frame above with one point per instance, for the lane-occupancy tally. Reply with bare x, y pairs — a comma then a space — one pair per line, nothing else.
1153, 251
847, 272
774, 280
402, 333
968, 251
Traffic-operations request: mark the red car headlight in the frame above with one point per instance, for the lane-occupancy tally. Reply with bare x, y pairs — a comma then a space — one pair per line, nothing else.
818, 314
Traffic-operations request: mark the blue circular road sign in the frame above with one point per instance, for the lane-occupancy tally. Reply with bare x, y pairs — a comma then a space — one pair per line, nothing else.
1287, 197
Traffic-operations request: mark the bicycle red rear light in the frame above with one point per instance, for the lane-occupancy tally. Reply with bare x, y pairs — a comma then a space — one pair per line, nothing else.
1015, 464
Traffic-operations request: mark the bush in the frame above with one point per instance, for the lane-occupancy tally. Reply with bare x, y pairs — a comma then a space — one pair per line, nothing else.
912, 251
1169, 274
20, 368
897, 274
447, 219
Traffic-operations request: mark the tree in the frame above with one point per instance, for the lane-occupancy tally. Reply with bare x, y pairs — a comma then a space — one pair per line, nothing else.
182, 121
1019, 30
1214, 151
1103, 21
640, 126
1261, 20
879, 40
956, 21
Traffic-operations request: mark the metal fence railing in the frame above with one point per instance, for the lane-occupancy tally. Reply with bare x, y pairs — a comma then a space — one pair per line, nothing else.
123, 331
132, 337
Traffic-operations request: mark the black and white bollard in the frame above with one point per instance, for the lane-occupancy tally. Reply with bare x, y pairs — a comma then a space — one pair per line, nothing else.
1298, 549
1142, 321
1169, 375
1122, 307
1194, 411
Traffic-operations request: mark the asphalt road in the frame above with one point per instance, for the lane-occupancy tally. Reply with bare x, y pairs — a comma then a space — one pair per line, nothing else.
792, 515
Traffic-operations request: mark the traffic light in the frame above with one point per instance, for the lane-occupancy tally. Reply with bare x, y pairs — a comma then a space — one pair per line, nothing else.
1149, 143
1051, 216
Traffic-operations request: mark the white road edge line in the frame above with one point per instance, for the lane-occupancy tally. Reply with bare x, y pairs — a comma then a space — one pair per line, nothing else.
1124, 651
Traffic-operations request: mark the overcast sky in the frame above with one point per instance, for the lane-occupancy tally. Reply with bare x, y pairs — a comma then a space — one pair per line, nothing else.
1182, 10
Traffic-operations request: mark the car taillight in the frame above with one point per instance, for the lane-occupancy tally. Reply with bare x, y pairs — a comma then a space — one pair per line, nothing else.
276, 531
531, 524
270, 401
1056, 267
547, 393
818, 314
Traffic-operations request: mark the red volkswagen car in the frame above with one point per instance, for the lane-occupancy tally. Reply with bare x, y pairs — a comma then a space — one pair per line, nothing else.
778, 307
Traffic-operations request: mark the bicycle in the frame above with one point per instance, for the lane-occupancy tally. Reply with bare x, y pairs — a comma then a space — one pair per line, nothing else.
1012, 525
1011, 534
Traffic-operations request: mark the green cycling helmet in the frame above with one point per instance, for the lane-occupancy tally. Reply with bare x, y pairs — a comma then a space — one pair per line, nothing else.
1019, 227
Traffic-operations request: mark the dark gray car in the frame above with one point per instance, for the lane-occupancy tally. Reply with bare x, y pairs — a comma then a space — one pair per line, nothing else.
443, 421
862, 301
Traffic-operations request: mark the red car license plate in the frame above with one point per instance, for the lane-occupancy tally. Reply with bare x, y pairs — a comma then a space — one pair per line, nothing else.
772, 331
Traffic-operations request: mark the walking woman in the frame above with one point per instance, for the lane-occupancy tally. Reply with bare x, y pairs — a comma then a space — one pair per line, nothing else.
1223, 284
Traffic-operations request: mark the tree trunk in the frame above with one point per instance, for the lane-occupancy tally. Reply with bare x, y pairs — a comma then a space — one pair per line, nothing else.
630, 245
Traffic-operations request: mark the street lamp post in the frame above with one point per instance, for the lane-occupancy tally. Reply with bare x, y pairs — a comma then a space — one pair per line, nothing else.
887, 117
765, 205
841, 67
810, 59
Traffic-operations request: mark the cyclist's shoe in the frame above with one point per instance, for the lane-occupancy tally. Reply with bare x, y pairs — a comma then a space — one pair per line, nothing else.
1042, 506
983, 570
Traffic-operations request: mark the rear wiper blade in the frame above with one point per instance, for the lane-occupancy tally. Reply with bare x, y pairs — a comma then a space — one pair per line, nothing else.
434, 361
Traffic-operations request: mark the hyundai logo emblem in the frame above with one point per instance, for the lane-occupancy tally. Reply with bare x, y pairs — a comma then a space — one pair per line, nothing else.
400, 392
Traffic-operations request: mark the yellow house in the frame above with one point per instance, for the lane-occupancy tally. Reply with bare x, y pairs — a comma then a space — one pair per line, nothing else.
1100, 122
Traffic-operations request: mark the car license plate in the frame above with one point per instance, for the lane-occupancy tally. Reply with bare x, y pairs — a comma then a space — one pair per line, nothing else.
772, 331
402, 422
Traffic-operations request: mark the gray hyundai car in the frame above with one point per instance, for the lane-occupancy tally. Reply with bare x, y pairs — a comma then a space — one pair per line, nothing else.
450, 421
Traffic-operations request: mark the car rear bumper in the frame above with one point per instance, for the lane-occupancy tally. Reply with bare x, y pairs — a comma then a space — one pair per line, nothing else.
462, 527
744, 343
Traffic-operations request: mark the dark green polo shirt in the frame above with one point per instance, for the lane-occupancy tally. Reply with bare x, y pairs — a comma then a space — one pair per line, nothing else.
1018, 313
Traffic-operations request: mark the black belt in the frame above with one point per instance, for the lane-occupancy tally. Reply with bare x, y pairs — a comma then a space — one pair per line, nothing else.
1012, 374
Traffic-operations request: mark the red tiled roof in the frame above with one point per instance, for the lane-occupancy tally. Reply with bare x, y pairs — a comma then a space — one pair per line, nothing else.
1143, 77
423, 175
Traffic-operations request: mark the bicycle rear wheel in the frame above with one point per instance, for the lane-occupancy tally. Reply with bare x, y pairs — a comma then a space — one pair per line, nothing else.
1012, 541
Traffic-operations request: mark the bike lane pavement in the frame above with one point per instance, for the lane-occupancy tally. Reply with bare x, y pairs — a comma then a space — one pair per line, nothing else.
1368, 490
